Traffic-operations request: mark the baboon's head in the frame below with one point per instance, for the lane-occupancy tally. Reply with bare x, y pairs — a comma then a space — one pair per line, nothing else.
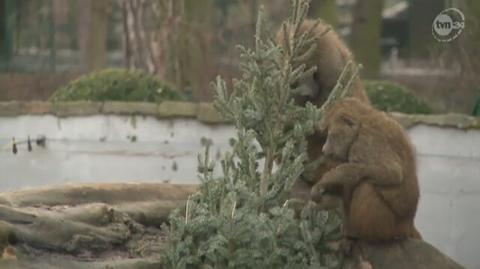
329, 56
307, 89
342, 131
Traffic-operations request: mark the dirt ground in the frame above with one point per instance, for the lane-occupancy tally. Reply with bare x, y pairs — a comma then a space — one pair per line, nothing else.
87, 226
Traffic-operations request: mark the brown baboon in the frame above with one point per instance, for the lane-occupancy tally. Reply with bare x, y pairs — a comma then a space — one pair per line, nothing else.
330, 57
377, 172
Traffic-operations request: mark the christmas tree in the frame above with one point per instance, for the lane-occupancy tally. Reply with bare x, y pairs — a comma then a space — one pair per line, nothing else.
241, 217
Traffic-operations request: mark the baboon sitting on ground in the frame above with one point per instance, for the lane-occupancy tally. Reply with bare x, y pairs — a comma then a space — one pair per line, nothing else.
377, 172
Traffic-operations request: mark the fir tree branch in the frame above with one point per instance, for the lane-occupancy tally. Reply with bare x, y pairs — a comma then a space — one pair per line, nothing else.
343, 88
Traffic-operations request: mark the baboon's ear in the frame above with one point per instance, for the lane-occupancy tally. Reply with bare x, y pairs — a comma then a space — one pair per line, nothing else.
349, 121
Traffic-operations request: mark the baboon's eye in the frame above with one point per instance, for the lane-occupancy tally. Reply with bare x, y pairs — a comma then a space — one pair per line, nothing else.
315, 75
347, 120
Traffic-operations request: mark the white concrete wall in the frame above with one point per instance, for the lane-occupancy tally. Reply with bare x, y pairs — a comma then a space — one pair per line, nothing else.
97, 149
449, 172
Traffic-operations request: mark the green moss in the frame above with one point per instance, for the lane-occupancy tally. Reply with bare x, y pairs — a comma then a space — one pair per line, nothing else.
391, 97
117, 85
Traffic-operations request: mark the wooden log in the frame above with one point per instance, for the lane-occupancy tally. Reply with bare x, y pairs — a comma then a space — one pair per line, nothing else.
63, 263
98, 214
115, 193
88, 217
69, 236
153, 213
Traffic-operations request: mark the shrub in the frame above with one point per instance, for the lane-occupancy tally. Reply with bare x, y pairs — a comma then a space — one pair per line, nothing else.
391, 97
476, 108
117, 85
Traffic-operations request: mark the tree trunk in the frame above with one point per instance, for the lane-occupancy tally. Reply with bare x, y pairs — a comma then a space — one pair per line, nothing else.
471, 40
6, 30
198, 69
138, 53
149, 28
422, 14
97, 35
365, 38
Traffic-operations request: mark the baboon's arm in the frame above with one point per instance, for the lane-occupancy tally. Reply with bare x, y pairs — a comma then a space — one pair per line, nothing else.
381, 173
344, 174
384, 173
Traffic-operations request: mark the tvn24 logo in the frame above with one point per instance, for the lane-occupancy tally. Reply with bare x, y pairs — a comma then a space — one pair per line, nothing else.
448, 25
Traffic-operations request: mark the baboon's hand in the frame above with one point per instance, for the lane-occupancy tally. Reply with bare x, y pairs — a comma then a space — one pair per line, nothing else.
323, 186
317, 192
324, 200
330, 201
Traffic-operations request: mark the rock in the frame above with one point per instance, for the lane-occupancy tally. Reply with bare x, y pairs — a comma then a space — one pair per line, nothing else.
405, 254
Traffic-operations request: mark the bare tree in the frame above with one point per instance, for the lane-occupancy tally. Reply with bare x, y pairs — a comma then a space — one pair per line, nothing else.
365, 38
171, 39
92, 32
149, 27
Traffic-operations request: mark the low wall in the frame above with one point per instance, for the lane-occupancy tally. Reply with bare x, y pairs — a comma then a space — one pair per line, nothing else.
120, 142
106, 142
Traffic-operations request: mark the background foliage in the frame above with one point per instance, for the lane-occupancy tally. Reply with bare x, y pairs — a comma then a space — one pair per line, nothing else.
390, 97
117, 85
46, 43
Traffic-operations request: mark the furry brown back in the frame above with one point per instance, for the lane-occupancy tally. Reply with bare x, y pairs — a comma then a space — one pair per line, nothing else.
378, 174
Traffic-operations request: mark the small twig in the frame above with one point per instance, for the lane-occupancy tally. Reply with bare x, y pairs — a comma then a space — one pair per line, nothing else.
340, 90
186, 209
349, 83
294, 201
233, 209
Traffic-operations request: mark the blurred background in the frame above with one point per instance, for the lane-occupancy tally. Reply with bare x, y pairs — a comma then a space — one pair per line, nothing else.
44, 44
150, 51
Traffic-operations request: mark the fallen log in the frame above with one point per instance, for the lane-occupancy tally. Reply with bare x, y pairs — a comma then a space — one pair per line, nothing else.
117, 226
111, 194
86, 224
63, 263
